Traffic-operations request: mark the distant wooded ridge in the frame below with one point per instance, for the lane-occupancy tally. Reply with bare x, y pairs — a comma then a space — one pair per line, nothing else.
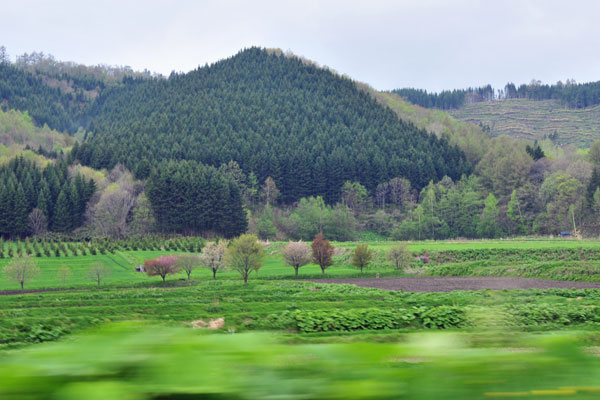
570, 93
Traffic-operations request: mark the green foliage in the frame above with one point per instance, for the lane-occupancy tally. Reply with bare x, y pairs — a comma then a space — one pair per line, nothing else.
487, 226
312, 216
560, 192
307, 321
446, 210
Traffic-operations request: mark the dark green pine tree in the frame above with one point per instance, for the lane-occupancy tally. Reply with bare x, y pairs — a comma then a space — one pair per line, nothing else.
44, 201
90, 189
143, 169
30, 193
5, 208
235, 222
76, 213
20, 211
591, 187
62, 218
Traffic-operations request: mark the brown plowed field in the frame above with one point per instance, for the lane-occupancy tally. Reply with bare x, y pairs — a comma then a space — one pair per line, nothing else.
448, 284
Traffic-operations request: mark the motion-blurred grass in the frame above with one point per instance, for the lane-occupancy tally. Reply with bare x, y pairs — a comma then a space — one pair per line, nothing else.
135, 361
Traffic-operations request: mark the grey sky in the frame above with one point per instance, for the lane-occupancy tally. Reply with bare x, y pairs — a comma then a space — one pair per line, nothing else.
431, 44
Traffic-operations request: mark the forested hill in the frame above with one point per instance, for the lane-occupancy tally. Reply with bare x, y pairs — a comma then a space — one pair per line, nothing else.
24, 91
304, 126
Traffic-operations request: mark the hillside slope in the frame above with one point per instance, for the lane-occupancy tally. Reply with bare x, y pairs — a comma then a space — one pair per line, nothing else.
309, 129
535, 119
469, 137
17, 132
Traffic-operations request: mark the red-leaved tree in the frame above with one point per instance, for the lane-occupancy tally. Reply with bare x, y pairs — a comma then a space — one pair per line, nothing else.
322, 251
161, 266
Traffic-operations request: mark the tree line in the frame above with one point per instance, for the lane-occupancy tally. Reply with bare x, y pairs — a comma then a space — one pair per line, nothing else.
571, 94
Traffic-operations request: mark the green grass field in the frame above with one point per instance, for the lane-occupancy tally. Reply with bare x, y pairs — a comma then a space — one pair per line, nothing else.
122, 263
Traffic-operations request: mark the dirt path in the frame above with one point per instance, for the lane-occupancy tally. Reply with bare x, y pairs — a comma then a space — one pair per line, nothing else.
448, 284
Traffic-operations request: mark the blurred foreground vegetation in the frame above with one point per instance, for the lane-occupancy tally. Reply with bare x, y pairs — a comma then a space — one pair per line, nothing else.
148, 362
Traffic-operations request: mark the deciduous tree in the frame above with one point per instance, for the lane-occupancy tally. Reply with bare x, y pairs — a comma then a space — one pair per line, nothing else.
354, 195
245, 254
297, 254
21, 269
270, 191
98, 272
399, 256
187, 263
64, 273
213, 255
161, 266
37, 222
322, 251
361, 256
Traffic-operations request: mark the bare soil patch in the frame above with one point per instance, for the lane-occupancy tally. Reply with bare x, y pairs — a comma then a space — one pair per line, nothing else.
449, 284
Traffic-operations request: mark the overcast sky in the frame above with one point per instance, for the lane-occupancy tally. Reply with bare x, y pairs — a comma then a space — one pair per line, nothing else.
430, 44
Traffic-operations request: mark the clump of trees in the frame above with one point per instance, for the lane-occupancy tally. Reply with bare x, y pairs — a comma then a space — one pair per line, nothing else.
189, 197
33, 200
570, 93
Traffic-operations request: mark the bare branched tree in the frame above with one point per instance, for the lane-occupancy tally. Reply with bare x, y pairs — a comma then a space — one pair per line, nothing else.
64, 273
270, 192
188, 263
98, 272
109, 216
37, 222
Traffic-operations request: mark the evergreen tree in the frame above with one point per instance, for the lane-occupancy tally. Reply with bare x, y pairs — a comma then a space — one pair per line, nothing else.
62, 218
20, 211
44, 200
